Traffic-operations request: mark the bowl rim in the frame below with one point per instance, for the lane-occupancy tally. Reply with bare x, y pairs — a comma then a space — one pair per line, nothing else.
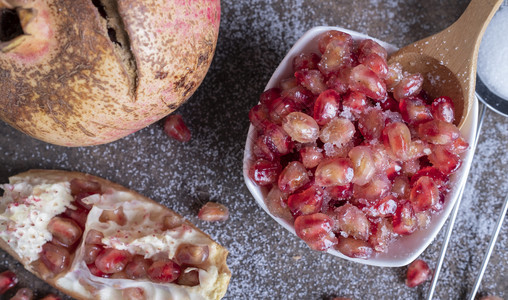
422, 238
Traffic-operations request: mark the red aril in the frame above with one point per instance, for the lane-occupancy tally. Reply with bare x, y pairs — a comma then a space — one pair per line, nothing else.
96, 272
414, 111
376, 189
409, 86
50, 297
424, 194
417, 273
112, 260
376, 64
331, 35
326, 107
116, 216
257, 115
299, 96
440, 179
280, 108
354, 248
364, 80
175, 127
393, 76
78, 215
65, 231
276, 202
356, 101
188, 277
338, 132
55, 258
371, 123
312, 80
311, 156
438, 132
191, 255
137, 268
213, 212
400, 187
336, 55
385, 207
367, 47
277, 140
164, 271
90, 253
352, 221
382, 234
363, 164
94, 237
262, 150
306, 61
306, 202
316, 231
443, 109
7, 280
458, 146
338, 80
339, 192
301, 127
293, 177
23, 294
264, 172
269, 96
443, 160
334, 171
397, 138
81, 186
404, 220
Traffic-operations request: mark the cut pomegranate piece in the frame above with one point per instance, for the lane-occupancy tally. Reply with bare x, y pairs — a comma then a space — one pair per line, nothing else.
188, 277
311, 156
376, 64
363, 164
301, 127
307, 202
175, 127
356, 101
354, 248
94, 237
438, 132
364, 80
414, 111
367, 47
371, 124
134, 293
90, 253
382, 235
338, 132
264, 172
164, 271
191, 255
277, 140
23, 294
327, 106
55, 258
417, 273
443, 109
352, 221
276, 202
7, 280
306, 61
409, 86
79, 215
269, 96
213, 212
65, 231
293, 177
443, 160
334, 171
424, 194
112, 260
331, 35
404, 220
257, 115
137, 268
312, 80
316, 231
337, 54
397, 138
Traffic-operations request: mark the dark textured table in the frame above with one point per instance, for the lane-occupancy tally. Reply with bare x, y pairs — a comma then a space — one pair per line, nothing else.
266, 261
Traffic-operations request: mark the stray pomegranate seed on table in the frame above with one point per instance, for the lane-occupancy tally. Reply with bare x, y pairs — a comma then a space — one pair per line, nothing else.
176, 128
213, 212
417, 273
7, 280
351, 150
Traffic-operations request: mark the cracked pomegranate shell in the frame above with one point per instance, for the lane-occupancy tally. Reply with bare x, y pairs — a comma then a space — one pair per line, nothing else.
82, 72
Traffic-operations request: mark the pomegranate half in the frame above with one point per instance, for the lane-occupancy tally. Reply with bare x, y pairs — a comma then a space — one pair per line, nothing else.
87, 72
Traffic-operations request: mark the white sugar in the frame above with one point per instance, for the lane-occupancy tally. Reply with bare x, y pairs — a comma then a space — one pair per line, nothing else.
493, 56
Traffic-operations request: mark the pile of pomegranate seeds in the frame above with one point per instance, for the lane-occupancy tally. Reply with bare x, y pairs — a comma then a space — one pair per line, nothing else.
351, 149
417, 273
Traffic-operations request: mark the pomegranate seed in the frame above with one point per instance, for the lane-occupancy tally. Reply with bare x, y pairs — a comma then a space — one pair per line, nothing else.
397, 138
305, 61
257, 115
293, 177
112, 260
269, 96
418, 149
277, 140
326, 107
276, 202
307, 202
334, 171
356, 101
312, 80
191, 255
262, 150
213, 212
134, 293
417, 273
137, 268
338, 81
78, 215
331, 35
91, 252
352, 221
96, 272
336, 55
116, 216
409, 86
51, 297
299, 96
65, 231
364, 80
400, 187
393, 170
382, 235
301, 127
188, 277
280, 108
367, 47
386, 207
438, 132
443, 160
175, 127
339, 192
404, 220
363, 164
288, 84
164, 271
458, 146
316, 231
354, 248
7, 280
171, 221
380, 156
389, 104
371, 124
422, 219
393, 76
23, 294
264, 172
443, 109
376, 189
338, 132
55, 258
311, 156
424, 194
94, 237
410, 167
81, 186
376, 64
414, 111
437, 176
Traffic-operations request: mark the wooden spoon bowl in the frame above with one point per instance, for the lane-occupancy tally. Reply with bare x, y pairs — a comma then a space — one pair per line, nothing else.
447, 60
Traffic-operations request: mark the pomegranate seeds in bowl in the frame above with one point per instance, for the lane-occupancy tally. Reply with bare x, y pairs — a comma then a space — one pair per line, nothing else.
350, 154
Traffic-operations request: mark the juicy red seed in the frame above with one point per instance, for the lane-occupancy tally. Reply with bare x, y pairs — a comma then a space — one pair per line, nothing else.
336, 55
327, 106
443, 109
280, 108
276, 202
417, 273
307, 202
340, 192
175, 127
188, 277
458, 146
437, 176
64, 230
312, 80
316, 231
269, 96
424, 194
55, 258
352, 221
438, 132
363, 164
191, 255
293, 177
81, 186
382, 235
367, 47
112, 260
301, 127
300, 96
96, 272
137, 268
79, 215
376, 64
213, 212
334, 171
94, 237
23, 294
393, 170
264, 172
277, 140
364, 80
371, 124
117, 216
306, 61
400, 187
376, 189
404, 220
397, 138
394, 75
164, 271
257, 115
408, 86
338, 80
331, 35
356, 101
311, 156
7, 280
414, 111
354, 248
443, 160
338, 131
91, 252
389, 104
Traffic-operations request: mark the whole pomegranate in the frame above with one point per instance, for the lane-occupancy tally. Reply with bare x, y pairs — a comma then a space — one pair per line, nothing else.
87, 72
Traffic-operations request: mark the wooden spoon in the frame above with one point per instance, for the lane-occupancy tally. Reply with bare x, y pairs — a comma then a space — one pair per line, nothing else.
447, 60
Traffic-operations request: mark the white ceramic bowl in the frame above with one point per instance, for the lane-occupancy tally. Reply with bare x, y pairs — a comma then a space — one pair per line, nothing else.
407, 248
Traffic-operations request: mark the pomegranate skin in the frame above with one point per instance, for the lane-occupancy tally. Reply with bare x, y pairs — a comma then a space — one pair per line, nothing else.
71, 84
